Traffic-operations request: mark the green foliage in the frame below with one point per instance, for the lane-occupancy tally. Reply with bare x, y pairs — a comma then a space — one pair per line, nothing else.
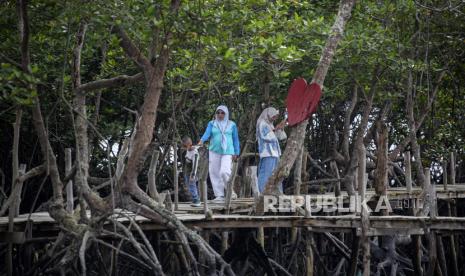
230, 51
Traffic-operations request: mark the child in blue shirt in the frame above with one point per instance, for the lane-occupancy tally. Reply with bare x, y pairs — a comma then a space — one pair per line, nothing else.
190, 169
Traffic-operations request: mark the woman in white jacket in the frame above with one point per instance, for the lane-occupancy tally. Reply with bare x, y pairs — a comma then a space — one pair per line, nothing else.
268, 144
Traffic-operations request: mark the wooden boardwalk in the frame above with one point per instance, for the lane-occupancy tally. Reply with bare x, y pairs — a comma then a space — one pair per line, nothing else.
239, 217
379, 225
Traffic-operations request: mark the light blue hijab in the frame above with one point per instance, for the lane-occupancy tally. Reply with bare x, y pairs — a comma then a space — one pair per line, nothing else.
222, 125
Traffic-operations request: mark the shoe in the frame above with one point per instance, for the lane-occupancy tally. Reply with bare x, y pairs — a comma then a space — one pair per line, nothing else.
196, 204
234, 195
219, 199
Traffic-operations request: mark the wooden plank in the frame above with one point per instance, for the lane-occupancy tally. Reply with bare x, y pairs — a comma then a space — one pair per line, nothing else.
385, 225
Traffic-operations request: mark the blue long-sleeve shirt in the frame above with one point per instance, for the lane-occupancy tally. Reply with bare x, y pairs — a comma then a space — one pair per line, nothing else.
213, 134
268, 144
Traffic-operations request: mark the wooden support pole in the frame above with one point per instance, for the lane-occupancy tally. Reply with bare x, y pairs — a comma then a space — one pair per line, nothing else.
251, 174
442, 256
452, 246
202, 260
224, 241
417, 267
335, 171
432, 194
152, 173
361, 172
444, 174
69, 185
430, 235
175, 176
230, 186
19, 190
452, 168
364, 239
408, 171
203, 175
261, 236
309, 260
354, 255
432, 253
14, 188
381, 173
297, 186
453, 251
206, 211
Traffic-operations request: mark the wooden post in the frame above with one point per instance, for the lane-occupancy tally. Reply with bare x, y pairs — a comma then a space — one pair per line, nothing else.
455, 266
297, 186
364, 239
444, 174
19, 189
224, 241
361, 172
430, 235
431, 193
298, 171
69, 185
152, 174
381, 173
453, 252
15, 176
175, 176
309, 252
442, 256
261, 236
203, 175
335, 171
452, 168
408, 171
354, 256
417, 267
207, 212
202, 260
251, 173
230, 186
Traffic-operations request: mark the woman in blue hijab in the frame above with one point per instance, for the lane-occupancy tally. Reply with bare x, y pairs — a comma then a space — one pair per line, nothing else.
223, 148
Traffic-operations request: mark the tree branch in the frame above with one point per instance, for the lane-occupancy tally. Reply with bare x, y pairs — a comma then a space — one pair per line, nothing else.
131, 49
110, 83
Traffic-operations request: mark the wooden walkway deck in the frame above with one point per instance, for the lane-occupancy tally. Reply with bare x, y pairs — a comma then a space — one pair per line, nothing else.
379, 225
43, 224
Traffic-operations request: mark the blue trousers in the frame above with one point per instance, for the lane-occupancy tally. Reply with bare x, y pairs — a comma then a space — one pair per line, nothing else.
192, 185
266, 166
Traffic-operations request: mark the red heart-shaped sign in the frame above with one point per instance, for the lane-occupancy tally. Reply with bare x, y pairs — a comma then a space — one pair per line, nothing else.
302, 100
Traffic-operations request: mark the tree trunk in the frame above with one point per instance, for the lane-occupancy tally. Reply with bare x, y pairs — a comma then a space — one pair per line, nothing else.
296, 138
